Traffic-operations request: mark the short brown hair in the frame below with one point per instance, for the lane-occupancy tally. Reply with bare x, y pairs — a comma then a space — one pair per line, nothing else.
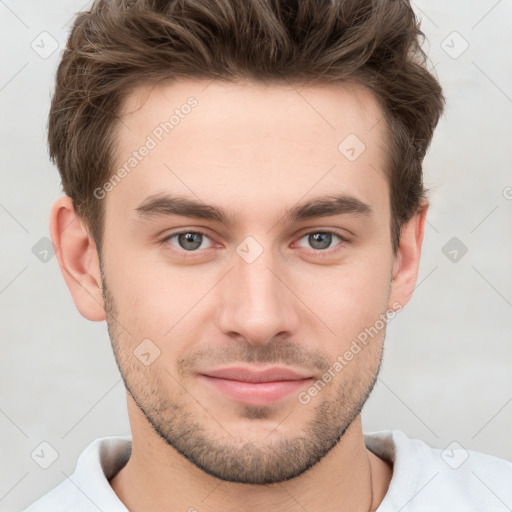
121, 44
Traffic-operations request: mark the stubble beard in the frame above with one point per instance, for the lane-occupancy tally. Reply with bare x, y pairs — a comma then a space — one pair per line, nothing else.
175, 419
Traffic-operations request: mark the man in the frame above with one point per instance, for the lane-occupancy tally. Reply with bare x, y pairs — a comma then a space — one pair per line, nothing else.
244, 207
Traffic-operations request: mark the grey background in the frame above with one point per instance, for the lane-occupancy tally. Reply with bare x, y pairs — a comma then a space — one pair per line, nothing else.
447, 368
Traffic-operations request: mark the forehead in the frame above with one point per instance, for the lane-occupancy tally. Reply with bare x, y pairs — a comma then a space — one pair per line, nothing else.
249, 140
243, 108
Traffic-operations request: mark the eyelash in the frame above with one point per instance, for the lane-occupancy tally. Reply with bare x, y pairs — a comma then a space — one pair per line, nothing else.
315, 252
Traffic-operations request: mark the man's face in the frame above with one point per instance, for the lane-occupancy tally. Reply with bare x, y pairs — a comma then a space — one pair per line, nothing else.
262, 289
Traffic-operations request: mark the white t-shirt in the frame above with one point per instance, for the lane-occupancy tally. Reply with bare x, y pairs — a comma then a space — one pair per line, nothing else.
424, 479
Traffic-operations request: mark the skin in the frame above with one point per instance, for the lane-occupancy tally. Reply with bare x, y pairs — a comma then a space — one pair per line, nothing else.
254, 151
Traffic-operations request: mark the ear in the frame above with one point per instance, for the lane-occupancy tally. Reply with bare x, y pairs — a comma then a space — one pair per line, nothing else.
78, 259
407, 259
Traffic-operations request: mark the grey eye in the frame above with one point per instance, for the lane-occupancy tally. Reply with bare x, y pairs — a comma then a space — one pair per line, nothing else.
320, 240
188, 240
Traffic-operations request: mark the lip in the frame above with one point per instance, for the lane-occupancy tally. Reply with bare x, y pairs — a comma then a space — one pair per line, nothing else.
255, 387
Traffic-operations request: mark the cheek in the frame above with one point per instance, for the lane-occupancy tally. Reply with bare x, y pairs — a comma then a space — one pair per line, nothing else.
150, 307
349, 297
163, 304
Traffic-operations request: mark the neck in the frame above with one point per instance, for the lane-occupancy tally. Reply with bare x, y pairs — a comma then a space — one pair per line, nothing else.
158, 478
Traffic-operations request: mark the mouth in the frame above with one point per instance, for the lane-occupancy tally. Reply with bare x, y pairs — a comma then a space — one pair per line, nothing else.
255, 387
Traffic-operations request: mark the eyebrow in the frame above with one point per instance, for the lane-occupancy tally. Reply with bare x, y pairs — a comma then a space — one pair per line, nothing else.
162, 205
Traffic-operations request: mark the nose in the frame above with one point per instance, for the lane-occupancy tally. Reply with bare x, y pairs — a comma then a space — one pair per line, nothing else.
256, 303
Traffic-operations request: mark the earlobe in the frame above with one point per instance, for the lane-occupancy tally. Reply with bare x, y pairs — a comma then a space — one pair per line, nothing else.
407, 259
78, 259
